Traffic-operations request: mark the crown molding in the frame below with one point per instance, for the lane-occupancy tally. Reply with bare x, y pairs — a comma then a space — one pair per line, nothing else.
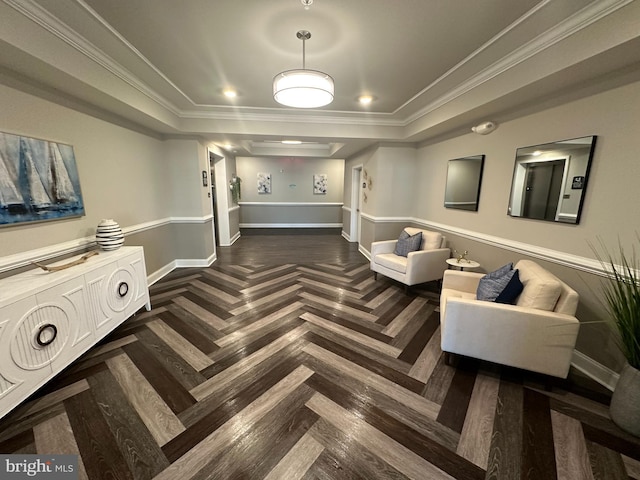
55, 26
580, 20
575, 23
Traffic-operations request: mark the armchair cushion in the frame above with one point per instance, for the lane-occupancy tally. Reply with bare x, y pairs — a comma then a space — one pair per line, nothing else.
430, 240
392, 261
541, 288
408, 243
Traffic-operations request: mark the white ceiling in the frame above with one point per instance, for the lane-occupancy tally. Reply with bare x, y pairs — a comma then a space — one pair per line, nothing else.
434, 67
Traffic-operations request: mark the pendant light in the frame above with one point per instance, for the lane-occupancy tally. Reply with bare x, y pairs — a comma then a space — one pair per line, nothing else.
303, 88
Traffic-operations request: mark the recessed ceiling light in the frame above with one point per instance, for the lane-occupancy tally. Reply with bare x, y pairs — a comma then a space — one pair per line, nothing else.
365, 99
291, 142
230, 93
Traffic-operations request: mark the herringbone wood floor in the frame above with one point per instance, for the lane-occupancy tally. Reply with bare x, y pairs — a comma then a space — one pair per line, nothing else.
260, 368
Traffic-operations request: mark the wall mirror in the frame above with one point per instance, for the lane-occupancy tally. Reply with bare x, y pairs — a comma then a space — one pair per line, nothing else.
549, 180
464, 176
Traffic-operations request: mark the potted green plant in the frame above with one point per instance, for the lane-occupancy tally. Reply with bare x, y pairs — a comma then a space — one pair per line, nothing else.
621, 295
234, 186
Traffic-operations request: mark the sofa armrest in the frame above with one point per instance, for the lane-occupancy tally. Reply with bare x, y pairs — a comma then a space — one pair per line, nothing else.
461, 281
522, 337
385, 246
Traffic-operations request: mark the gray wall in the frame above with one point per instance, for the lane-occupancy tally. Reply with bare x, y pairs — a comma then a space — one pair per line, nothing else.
152, 188
490, 235
291, 202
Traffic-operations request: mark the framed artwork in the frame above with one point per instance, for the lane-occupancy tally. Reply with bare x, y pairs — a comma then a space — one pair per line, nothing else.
577, 183
264, 183
38, 180
320, 183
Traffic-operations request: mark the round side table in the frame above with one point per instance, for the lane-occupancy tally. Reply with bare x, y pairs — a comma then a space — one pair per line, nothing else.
462, 264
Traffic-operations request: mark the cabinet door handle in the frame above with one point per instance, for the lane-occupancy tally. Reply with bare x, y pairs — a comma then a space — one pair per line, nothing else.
42, 329
123, 289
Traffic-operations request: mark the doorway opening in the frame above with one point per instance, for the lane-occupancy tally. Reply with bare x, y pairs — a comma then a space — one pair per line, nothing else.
356, 198
214, 199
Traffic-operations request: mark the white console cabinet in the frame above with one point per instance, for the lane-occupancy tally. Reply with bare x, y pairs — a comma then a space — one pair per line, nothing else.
48, 319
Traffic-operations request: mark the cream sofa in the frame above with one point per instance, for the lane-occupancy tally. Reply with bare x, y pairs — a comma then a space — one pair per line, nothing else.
538, 333
421, 266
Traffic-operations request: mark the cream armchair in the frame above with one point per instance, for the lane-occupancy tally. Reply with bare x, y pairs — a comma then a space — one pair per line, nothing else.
421, 266
538, 333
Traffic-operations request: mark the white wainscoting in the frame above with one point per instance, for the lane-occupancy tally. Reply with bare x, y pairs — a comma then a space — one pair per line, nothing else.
24, 259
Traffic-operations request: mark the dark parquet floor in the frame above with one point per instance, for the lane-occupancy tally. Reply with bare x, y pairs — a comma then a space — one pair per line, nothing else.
286, 360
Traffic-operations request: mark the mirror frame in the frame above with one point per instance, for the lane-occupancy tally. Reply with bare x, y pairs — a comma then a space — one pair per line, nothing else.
474, 184
525, 155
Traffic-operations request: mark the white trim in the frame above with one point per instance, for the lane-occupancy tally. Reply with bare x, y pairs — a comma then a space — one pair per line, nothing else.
204, 219
291, 204
233, 240
364, 252
373, 219
290, 225
195, 262
594, 370
161, 273
580, 20
140, 227
584, 264
345, 236
233, 209
53, 25
23, 259
179, 263
346, 209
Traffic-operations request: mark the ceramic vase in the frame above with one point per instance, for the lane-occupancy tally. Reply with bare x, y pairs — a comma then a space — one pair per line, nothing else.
109, 235
625, 402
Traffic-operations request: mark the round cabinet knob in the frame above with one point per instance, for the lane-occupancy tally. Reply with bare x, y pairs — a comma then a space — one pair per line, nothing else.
48, 327
123, 289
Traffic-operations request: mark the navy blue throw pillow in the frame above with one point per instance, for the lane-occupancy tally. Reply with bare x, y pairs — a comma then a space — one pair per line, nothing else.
492, 284
512, 290
408, 243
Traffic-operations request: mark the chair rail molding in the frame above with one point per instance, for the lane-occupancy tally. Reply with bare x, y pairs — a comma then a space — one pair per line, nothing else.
585, 264
23, 259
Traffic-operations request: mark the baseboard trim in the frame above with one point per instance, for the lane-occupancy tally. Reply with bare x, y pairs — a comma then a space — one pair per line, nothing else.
291, 204
291, 225
594, 370
345, 236
364, 252
179, 263
161, 273
195, 262
233, 240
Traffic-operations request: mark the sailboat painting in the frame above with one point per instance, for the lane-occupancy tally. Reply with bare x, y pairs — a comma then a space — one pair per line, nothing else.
38, 180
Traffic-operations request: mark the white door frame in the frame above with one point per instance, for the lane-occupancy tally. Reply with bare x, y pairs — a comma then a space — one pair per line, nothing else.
356, 200
222, 203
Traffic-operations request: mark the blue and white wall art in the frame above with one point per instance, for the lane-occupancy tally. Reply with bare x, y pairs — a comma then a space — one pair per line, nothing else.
38, 180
